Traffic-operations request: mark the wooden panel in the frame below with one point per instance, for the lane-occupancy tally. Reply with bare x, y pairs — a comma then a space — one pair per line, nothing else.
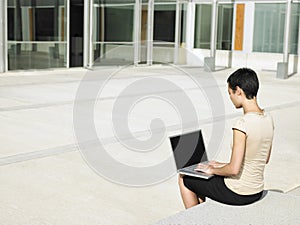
239, 27
30, 14
62, 24
144, 25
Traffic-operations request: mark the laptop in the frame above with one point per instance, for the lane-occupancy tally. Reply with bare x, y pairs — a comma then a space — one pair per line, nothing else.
188, 151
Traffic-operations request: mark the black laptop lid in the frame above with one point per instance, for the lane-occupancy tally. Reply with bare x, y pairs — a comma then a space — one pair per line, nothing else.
188, 149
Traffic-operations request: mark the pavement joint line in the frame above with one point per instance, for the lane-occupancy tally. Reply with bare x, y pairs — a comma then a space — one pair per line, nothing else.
108, 140
95, 79
45, 105
37, 154
35, 106
61, 103
112, 140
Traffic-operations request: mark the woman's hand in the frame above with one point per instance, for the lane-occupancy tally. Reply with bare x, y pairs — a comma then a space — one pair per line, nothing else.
209, 167
237, 156
205, 168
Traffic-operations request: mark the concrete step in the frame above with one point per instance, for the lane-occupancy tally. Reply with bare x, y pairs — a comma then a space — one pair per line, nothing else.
274, 208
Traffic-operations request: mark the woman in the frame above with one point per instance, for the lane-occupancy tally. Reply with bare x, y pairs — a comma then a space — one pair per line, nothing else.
241, 181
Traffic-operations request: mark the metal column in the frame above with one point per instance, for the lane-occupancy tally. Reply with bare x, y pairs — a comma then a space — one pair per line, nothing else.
150, 32
190, 26
2, 37
90, 39
177, 32
86, 32
137, 32
214, 26
68, 33
282, 67
209, 62
298, 48
286, 42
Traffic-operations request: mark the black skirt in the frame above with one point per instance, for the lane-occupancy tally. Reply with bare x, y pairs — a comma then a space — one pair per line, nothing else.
216, 189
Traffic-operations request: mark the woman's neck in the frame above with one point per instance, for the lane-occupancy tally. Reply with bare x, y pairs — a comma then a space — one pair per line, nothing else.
250, 105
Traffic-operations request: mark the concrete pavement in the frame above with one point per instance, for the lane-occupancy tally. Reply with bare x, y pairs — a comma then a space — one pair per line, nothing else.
45, 180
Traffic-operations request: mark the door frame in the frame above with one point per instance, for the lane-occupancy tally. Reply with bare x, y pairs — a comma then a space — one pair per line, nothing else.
88, 60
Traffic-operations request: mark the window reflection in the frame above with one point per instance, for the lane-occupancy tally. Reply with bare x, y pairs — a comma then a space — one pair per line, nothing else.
113, 31
295, 17
36, 34
203, 26
269, 27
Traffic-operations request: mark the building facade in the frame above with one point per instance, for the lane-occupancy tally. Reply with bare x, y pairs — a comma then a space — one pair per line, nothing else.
41, 34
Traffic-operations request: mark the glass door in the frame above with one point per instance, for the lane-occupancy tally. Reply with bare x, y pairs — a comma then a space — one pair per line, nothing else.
37, 34
166, 27
112, 30
164, 32
136, 31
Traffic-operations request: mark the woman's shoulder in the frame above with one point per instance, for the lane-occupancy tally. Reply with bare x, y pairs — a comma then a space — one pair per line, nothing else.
257, 119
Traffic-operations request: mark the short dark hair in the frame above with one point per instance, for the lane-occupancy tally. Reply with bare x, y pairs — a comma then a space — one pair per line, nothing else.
246, 79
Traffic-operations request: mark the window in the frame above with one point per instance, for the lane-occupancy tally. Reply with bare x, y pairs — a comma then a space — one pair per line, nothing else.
113, 30
118, 23
294, 26
36, 34
44, 24
203, 26
224, 35
164, 23
269, 27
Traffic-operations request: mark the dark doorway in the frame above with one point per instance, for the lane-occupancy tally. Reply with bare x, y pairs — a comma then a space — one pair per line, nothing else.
164, 25
76, 33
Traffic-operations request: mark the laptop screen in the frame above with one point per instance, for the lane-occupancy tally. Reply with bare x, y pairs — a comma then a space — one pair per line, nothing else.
188, 149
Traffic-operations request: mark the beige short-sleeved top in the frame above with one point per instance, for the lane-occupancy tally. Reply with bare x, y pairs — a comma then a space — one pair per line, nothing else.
259, 130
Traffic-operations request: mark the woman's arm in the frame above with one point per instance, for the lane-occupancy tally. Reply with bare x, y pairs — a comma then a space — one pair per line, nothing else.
237, 157
216, 164
268, 159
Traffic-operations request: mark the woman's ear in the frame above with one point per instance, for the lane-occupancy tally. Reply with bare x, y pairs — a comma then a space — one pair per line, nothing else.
239, 91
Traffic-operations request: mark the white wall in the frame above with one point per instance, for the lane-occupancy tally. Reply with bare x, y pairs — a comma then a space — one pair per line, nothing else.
244, 58
254, 60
